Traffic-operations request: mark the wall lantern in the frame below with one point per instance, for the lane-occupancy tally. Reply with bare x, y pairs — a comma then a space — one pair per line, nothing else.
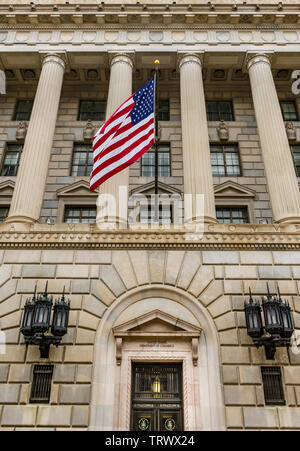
278, 327
36, 321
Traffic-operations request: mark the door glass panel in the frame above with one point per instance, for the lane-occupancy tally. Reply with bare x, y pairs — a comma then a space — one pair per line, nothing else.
157, 397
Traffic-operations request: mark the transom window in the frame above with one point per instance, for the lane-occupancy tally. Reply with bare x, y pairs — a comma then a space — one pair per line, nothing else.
3, 213
92, 109
164, 162
11, 160
219, 110
228, 215
82, 162
296, 156
163, 110
272, 383
147, 214
225, 160
289, 111
23, 110
83, 214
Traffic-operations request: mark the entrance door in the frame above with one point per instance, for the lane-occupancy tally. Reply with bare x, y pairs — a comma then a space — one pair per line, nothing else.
157, 397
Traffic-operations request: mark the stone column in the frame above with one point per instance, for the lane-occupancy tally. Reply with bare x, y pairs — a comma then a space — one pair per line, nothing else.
278, 162
195, 140
30, 185
113, 193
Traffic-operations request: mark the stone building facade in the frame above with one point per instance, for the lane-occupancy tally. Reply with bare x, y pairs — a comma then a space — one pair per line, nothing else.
145, 295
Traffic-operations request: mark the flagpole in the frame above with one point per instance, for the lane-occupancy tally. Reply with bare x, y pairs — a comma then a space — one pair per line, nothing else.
156, 143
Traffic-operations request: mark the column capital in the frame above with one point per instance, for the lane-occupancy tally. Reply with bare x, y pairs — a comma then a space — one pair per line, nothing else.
252, 58
190, 57
59, 58
124, 57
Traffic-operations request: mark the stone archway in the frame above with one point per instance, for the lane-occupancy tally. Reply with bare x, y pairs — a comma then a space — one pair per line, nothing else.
207, 408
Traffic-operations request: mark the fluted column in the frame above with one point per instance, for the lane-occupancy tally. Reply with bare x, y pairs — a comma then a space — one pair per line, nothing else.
115, 190
195, 140
278, 162
30, 185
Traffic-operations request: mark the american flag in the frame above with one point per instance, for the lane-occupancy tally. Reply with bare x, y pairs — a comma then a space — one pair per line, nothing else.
125, 136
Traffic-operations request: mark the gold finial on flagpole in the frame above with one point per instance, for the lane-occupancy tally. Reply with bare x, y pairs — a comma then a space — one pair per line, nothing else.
157, 63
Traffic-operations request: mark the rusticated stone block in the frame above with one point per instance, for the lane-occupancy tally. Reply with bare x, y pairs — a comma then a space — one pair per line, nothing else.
250, 375
74, 394
220, 257
80, 416
20, 373
19, 415
237, 395
4, 369
84, 373
64, 373
54, 416
230, 375
234, 417
79, 354
38, 271
235, 355
260, 418
9, 393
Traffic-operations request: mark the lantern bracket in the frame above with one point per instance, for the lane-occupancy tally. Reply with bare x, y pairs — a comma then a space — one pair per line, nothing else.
270, 344
44, 342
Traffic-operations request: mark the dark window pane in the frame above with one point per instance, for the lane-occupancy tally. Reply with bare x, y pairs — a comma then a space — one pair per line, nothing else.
164, 162
11, 160
272, 384
163, 110
94, 110
82, 162
3, 213
147, 214
296, 155
80, 214
225, 160
228, 215
23, 110
289, 111
219, 110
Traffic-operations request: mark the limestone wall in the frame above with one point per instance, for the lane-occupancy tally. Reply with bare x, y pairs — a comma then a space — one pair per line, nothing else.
95, 279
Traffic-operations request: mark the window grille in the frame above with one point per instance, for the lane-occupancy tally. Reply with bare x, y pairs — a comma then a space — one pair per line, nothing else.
272, 384
41, 384
219, 110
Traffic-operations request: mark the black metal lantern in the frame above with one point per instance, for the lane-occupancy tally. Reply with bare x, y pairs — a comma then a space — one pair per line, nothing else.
272, 314
26, 328
36, 321
278, 323
60, 317
253, 318
42, 313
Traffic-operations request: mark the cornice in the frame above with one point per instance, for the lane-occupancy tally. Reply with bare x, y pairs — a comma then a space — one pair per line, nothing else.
85, 236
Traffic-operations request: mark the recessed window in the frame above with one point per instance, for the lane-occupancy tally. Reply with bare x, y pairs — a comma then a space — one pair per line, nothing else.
90, 109
289, 111
3, 213
83, 214
82, 162
219, 110
23, 110
163, 110
41, 384
11, 160
236, 215
147, 214
272, 383
296, 156
225, 160
164, 162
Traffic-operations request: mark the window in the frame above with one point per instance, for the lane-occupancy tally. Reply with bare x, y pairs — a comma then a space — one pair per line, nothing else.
3, 213
82, 214
11, 159
90, 109
225, 160
23, 110
41, 384
163, 110
227, 215
289, 111
164, 162
218, 111
147, 214
82, 163
272, 383
296, 156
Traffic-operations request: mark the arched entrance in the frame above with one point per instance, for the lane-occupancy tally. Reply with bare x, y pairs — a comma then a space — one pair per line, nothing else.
125, 338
